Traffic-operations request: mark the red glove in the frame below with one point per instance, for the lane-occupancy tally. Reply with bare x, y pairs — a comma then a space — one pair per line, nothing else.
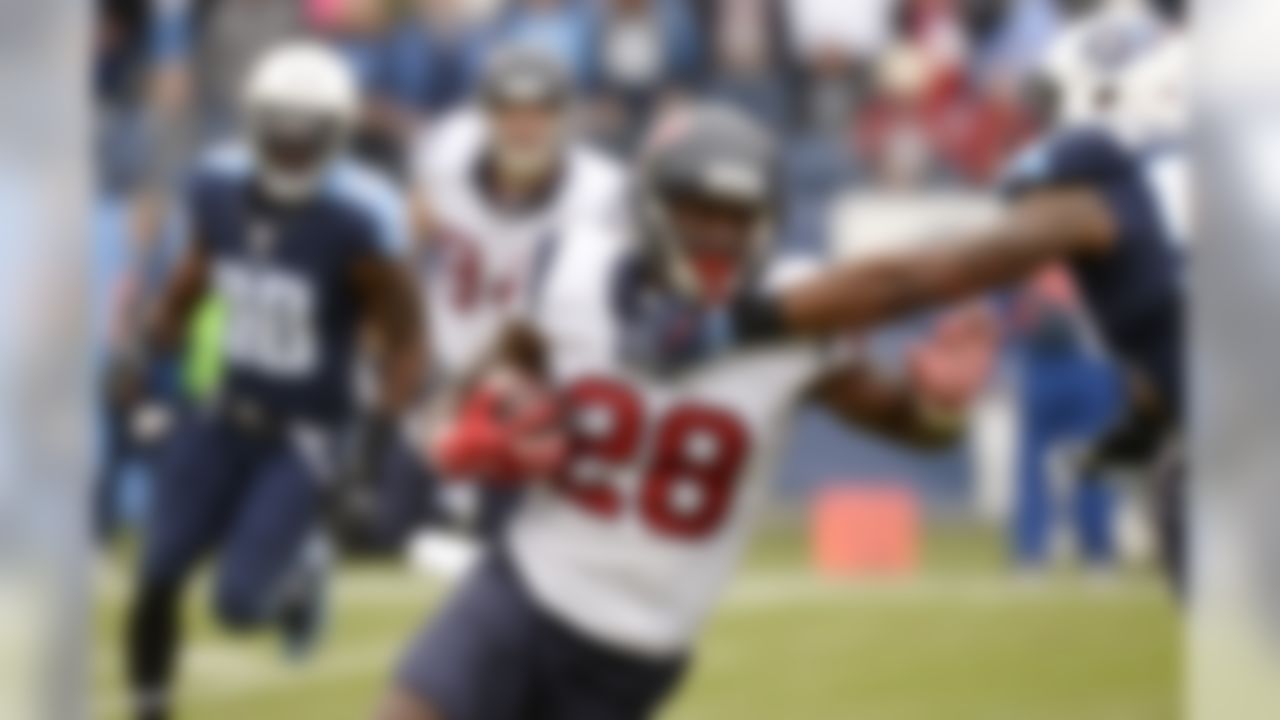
507, 431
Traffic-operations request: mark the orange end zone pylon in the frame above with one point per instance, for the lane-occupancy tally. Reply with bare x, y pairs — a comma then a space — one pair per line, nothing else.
866, 529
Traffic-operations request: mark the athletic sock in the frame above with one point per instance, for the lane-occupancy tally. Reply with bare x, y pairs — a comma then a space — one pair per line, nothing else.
153, 637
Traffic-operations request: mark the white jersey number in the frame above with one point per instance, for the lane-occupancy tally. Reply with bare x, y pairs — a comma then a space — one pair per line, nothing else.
270, 314
697, 453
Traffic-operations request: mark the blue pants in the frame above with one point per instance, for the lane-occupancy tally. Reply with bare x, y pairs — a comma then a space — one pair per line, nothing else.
493, 654
119, 455
252, 497
1066, 399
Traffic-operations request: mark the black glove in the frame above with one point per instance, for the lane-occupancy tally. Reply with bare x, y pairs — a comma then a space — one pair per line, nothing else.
669, 334
354, 506
1133, 444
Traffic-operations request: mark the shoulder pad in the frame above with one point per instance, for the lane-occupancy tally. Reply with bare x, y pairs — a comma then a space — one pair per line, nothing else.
1079, 157
370, 193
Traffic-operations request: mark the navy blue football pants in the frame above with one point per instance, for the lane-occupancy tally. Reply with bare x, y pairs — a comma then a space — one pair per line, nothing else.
253, 498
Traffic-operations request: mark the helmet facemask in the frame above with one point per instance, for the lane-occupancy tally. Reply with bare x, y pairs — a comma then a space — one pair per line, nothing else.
294, 148
527, 139
527, 94
301, 104
707, 201
709, 245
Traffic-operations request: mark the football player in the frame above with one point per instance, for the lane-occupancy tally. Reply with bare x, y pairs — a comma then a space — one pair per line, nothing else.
495, 180
593, 599
299, 244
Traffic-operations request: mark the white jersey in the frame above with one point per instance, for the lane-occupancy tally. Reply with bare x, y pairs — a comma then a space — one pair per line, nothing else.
633, 546
487, 255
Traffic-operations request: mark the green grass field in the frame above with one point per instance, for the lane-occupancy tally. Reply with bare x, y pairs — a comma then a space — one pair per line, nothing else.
963, 641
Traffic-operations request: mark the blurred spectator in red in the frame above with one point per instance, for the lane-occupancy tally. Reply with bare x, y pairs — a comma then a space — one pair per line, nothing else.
979, 134
978, 114
931, 119
893, 133
935, 31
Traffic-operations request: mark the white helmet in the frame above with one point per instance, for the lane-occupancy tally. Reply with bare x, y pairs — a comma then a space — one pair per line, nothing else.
301, 104
1155, 106
1087, 60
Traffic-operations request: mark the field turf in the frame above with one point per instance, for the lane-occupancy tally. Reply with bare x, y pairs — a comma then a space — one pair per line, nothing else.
964, 640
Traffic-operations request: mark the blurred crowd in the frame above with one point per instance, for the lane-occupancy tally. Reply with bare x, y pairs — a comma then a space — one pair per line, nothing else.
868, 93
894, 93
908, 91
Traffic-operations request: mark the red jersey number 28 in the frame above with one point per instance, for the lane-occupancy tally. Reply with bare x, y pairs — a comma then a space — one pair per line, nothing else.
696, 452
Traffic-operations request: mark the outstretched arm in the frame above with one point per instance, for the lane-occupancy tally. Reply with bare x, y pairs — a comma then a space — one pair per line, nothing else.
862, 397
391, 317
186, 286
1042, 228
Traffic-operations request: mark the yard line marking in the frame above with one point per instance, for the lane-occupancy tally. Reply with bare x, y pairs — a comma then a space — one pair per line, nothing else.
390, 589
761, 589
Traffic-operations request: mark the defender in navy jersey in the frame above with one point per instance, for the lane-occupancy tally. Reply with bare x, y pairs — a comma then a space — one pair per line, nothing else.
1134, 290
299, 243
1115, 213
